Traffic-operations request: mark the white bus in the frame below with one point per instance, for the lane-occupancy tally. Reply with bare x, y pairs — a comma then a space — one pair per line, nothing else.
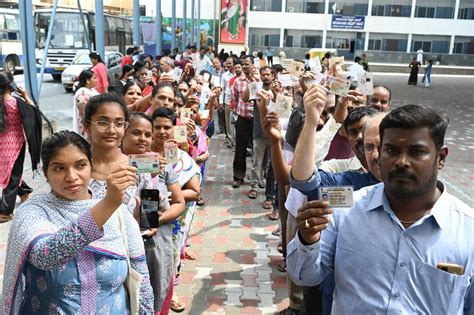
11, 56
69, 37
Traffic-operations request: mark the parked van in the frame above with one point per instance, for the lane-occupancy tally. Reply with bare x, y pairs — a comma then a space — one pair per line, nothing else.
320, 52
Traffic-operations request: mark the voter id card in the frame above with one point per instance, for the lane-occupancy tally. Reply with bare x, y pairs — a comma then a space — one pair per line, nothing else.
285, 79
254, 88
145, 163
365, 83
283, 105
336, 85
171, 153
179, 134
185, 115
337, 196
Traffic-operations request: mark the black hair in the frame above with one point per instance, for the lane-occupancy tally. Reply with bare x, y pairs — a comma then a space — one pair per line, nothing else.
164, 112
138, 115
237, 61
138, 65
307, 56
128, 85
247, 56
60, 140
416, 117
160, 86
357, 59
130, 50
126, 69
277, 68
95, 55
181, 96
357, 114
85, 75
385, 87
266, 68
4, 85
96, 101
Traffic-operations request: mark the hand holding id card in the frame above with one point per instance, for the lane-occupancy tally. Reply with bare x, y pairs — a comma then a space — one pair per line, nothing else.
254, 88
179, 134
337, 196
365, 83
145, 163
285, 79
336, 85
185, 115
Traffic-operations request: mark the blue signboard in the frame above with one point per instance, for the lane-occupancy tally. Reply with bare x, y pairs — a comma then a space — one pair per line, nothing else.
348, 22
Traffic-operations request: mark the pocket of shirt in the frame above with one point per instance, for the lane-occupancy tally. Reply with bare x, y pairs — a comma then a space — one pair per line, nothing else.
445, 290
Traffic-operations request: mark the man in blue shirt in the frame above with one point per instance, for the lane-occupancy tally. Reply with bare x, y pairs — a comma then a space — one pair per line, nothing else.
388, 252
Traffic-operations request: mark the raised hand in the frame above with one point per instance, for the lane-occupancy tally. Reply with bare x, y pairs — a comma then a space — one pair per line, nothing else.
314, 100
312, 218
118, 181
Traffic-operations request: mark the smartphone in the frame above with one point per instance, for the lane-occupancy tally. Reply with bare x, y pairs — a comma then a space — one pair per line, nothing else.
149, 208
14, 87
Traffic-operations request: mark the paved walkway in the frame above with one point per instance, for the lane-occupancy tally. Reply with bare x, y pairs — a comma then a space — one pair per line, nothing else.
236, 270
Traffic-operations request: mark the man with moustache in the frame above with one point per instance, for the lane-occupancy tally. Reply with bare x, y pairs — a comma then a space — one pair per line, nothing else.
390, 252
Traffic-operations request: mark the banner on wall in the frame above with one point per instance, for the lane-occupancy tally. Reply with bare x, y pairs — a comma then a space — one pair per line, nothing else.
233, 21
348, 22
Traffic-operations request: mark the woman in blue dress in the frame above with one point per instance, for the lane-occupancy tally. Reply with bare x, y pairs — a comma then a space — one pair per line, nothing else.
66, 252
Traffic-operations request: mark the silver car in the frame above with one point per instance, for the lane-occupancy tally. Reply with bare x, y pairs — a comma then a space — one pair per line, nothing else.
82, 61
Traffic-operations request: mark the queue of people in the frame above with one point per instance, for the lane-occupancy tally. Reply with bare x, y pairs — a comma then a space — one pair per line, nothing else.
404, 244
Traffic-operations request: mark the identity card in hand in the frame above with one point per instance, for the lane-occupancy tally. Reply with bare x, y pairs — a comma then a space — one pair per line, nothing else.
205, 114
337, 196
365, 83
205, 94
254, 88
315, 65
283, 105
171, 153
216, 81
185, 115
145, 163
317, 80
180, 134
296, 68
285, 79
336, 85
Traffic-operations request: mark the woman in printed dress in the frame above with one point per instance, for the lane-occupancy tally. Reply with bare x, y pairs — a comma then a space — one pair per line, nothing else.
189, 178
18, 120
85, 90
66, 253
160, 253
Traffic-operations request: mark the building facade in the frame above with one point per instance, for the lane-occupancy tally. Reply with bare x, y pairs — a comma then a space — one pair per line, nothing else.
386, 30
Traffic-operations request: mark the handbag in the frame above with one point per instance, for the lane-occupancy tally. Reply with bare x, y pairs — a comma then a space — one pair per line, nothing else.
134, 279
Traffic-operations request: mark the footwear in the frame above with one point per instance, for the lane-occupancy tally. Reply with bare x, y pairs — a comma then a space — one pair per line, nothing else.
290, 311
237, 183
252, 194
230, 145
282, 265
189, 255
274, 215
200, 202
261, 184
176, 305
5, 217
280, 248
268, 204
277, 231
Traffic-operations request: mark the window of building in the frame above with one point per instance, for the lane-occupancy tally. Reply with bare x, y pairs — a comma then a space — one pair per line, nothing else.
354, 7
302, 39
433, 44
391, 8
464, 45
439, 9
466, 10
266, 5
388, 42
264, 36
309, 6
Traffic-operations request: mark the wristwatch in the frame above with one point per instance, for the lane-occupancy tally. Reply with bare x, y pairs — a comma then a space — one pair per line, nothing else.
193, 137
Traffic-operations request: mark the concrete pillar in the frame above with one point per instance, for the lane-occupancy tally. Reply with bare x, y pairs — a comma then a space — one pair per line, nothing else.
158, 28
136, 23
99, 28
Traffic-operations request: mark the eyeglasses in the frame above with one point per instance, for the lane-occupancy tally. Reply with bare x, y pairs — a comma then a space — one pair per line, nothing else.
104, 125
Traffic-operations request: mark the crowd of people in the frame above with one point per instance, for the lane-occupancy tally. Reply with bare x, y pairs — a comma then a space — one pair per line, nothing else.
404, 245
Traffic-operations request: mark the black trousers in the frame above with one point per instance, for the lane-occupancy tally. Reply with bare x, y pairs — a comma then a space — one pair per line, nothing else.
243, 134
221, 119
10, 192
270, 60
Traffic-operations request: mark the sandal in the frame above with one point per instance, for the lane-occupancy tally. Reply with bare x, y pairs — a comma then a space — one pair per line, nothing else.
252, 194
280, 248
5, 217
268, 204
275, 215
200, 202
282, 265
190, 255
176, 305
276, 232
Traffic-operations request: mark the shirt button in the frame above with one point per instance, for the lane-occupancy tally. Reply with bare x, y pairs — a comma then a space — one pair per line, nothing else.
397, 294
402, 264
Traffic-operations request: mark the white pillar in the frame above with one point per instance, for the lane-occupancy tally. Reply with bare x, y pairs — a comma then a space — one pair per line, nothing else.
456, 10
451, 45
369, 10
282, 37
366, 42
325, 34
283, 6
326, 17
409, 43
413, 6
